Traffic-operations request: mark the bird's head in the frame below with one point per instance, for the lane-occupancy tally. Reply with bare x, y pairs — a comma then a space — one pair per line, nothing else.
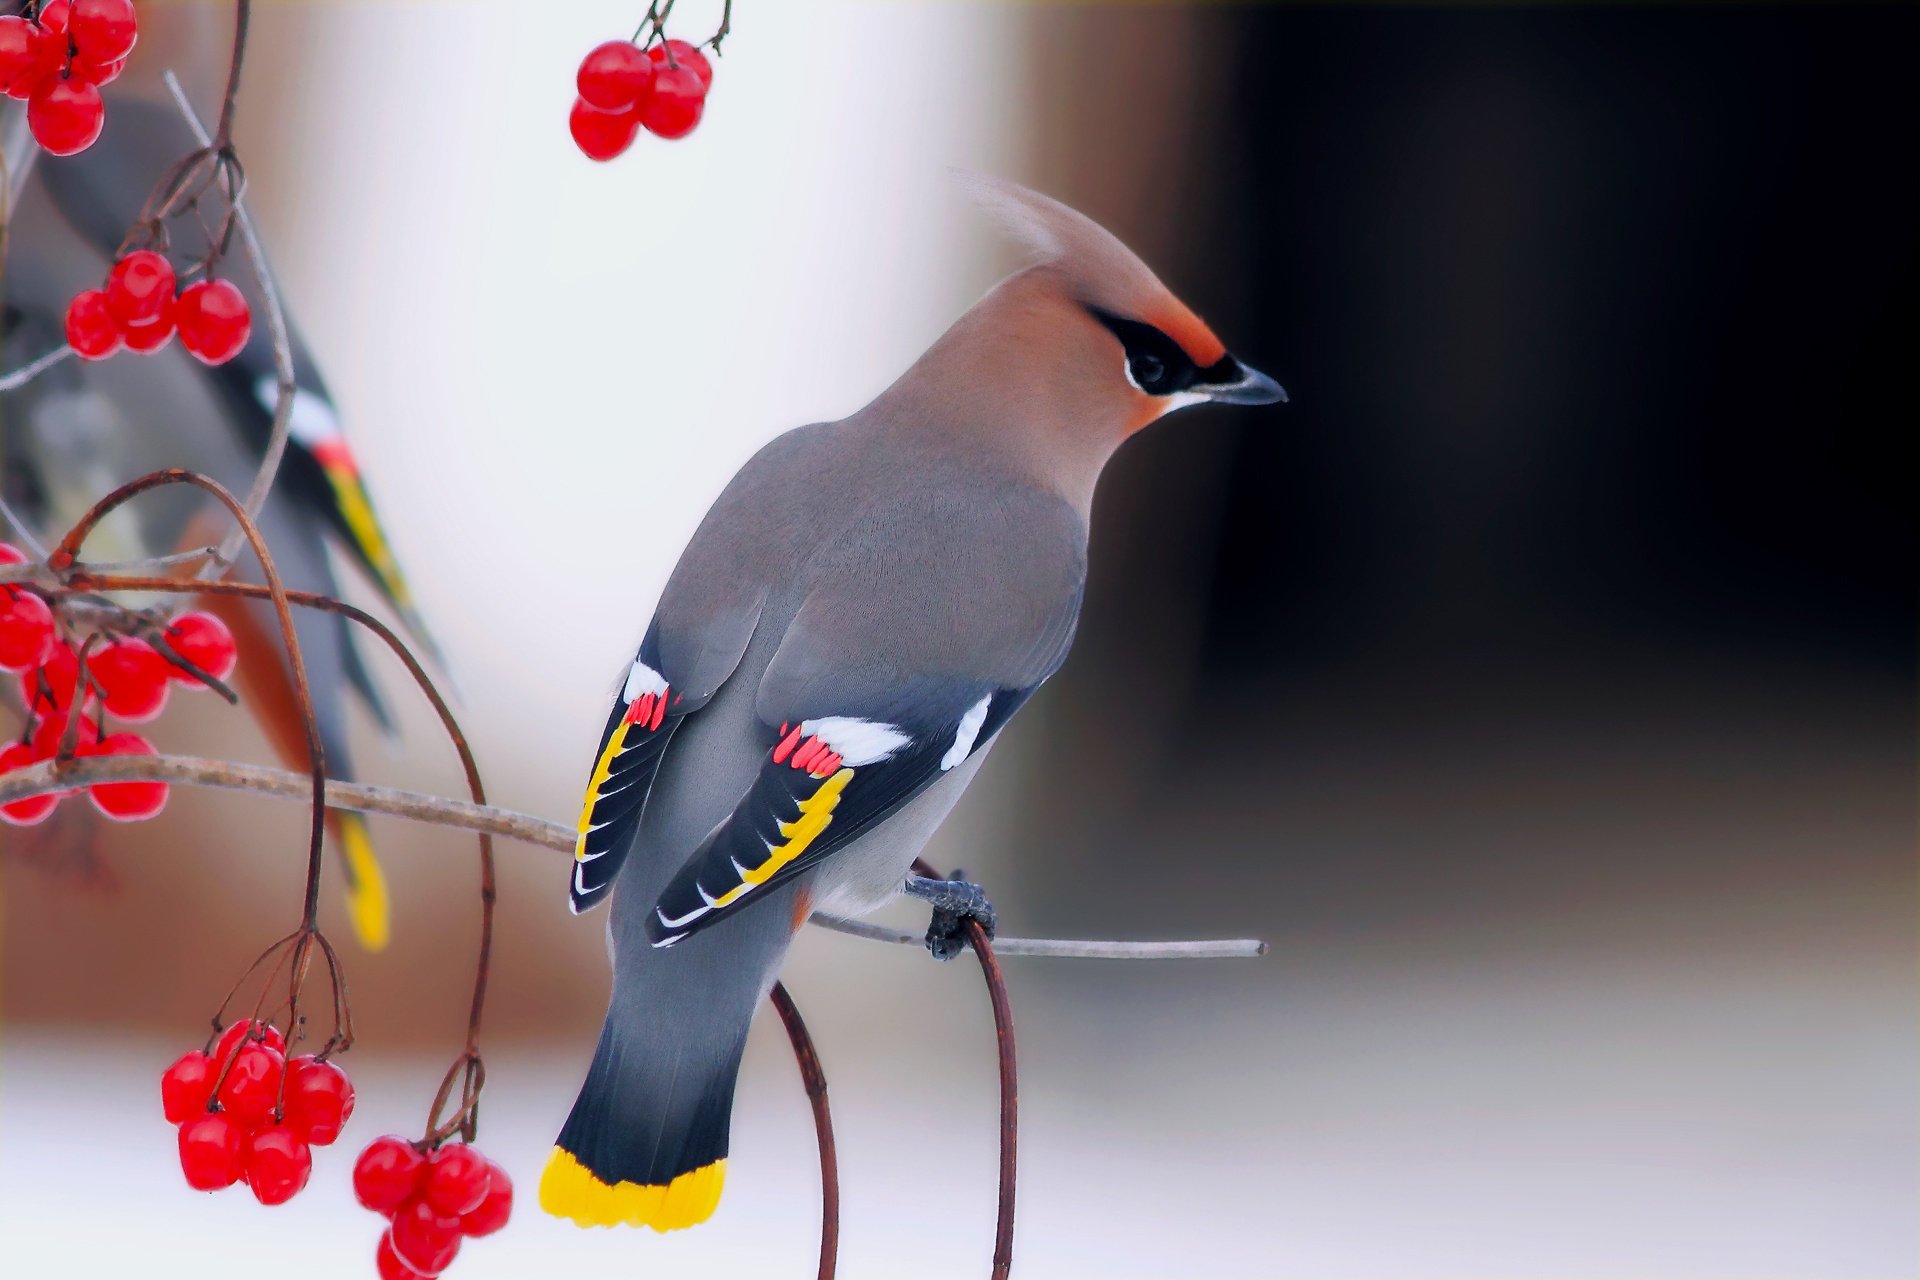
1114, 334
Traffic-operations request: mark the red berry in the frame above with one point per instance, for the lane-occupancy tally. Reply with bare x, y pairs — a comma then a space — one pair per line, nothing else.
185, 1087
10, 554
210, 1152
54, 15
252, 1086
424, 1238
685, 55
203, 640
20, 68
65, 115
456, 1180
493, 1211
145, 339
91, 331
132, 678
31, 810
230, 1038
319, 1099
602, 135
387, 1174
127, 801
99, 74
614, 76
51, 686
51, 732
214, 320
387, 1263
139, 289
277, 1164
102, 30
676, 103
26, 630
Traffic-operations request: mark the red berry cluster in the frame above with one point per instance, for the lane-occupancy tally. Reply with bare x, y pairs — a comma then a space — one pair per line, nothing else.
261, 1119
138, 310
57, 63
432, 1200
125, 677
624, 89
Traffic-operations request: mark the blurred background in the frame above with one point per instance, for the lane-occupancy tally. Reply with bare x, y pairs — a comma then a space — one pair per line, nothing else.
1540, 682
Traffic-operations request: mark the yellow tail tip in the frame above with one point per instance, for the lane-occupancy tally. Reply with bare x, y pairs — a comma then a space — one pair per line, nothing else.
367, 904
568, 1189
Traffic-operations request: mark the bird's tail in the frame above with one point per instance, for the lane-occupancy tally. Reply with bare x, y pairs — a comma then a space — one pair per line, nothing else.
367, 905
646, 1144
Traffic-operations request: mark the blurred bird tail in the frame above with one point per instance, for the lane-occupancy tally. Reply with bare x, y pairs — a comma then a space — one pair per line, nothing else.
646, 1143
366, 884
369, 538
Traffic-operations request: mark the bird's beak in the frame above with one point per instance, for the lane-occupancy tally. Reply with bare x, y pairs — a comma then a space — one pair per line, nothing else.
1251, 387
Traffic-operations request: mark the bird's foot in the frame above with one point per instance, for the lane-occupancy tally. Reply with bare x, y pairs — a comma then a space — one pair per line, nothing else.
954, 902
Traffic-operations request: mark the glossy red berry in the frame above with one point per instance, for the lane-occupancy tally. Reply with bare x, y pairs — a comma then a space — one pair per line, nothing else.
26, 630
252, 1087
424, 1238
387, 1174
30, 810
50, 687
319, 1099
214, 320
185, 1087
102, 30
230, 1038
602, 135
614, 76
456, 1180
20, 69
210, 1152
132, 678
139, 288
127, 801
676, 103
54, 15
203, 640
388, 1265
10, 554
65, 115
145, 339
99, 74
51, 733
495, 1207
276, 1164
687, 56
91, 331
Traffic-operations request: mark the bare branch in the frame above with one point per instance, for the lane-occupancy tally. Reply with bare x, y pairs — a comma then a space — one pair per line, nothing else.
282, 353
466, 816
32, 369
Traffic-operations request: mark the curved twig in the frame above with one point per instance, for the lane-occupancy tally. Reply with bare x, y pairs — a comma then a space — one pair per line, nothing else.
815, 1079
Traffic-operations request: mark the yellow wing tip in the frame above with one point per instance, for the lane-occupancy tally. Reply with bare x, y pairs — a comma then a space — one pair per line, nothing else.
367, 905
568, 1189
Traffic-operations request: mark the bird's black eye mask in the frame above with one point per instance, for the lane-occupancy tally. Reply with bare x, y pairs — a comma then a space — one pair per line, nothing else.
1157, 364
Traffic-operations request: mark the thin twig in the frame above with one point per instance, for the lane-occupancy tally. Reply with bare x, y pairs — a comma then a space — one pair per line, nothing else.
283, 377
32, 369
462, 815
24, 532
815, 1079
983, 947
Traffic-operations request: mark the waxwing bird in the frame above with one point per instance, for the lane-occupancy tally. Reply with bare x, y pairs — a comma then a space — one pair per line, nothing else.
863, 609
81, 429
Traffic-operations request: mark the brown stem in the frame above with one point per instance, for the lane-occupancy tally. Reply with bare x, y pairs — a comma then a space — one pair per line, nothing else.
815, 1080
82, 579
64, 555
223, 133
1009, 1083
